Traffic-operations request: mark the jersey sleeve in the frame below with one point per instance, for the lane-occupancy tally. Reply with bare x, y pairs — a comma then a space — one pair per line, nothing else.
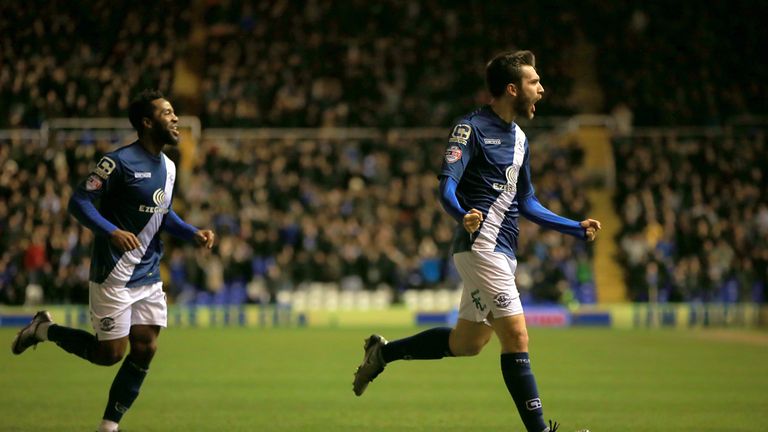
459, 151
175, 226
524, 183
104, 177
533, 210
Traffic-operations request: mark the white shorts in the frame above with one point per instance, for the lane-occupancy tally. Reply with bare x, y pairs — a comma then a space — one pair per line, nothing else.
489, 285
115, 309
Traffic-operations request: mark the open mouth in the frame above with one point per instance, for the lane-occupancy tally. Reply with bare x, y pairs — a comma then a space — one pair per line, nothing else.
175, 130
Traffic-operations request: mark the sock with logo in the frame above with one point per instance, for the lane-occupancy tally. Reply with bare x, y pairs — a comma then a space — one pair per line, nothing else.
516, 369
74, 341
124, 390
430, 344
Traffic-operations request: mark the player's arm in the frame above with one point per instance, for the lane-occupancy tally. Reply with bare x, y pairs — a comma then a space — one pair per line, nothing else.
457, 157
469, 219
176, 227
81, 205
533, 210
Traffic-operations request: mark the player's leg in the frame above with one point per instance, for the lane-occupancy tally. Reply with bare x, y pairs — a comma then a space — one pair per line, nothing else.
74, 341
110, 319
493, 275
516, 370
148, 314
467, 338
127, 383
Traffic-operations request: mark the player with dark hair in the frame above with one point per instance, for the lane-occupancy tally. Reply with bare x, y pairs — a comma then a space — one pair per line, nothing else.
485, 184
134, 186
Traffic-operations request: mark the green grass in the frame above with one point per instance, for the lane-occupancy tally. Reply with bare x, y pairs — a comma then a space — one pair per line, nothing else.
300, 380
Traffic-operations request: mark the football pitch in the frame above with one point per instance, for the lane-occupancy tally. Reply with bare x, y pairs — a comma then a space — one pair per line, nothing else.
285, 379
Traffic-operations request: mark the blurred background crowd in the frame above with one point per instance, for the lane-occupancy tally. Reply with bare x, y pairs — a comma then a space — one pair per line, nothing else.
288, 213
695, 216
390, 63
363, 212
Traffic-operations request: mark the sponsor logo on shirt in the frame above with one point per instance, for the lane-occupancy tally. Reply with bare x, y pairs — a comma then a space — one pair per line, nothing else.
460, 134
142, 175
150, 209
452, 154
511, 185
492, 141
159, 198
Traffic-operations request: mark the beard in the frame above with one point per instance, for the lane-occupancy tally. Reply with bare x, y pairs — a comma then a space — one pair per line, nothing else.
523, 106
164, 135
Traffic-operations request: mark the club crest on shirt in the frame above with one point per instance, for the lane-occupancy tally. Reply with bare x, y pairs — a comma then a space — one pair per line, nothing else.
460, 134
93, 183
452, 154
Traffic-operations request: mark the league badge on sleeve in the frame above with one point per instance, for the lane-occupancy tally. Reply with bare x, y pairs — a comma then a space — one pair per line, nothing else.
461, 134
104, 168
452, 154
93, 183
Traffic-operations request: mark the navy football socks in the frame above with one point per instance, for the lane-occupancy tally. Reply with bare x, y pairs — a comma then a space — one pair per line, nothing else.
516, 369
124, 390
430, 344
74, 341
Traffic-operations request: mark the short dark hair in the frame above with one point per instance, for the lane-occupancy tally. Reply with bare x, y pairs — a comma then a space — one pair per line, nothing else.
141, 106
506, 68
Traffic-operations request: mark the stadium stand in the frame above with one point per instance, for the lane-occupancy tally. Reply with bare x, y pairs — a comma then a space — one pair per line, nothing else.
359, 213
694, 213
311, 64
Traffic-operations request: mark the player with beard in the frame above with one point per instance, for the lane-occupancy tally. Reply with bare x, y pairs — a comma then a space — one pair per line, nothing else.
134, 187
485, 184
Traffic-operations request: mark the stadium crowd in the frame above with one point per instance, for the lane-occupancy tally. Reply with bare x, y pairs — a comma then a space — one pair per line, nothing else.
695, 216
84, 59
288, 212
674, 63
364, 213
312, 63
411, 63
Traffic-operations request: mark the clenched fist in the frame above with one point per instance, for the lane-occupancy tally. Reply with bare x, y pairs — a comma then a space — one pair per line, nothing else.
592, 227
472, 220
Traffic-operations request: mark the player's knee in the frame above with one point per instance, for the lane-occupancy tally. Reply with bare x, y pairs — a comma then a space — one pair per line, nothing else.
108, 357
516, 342
142, 353
469, 348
